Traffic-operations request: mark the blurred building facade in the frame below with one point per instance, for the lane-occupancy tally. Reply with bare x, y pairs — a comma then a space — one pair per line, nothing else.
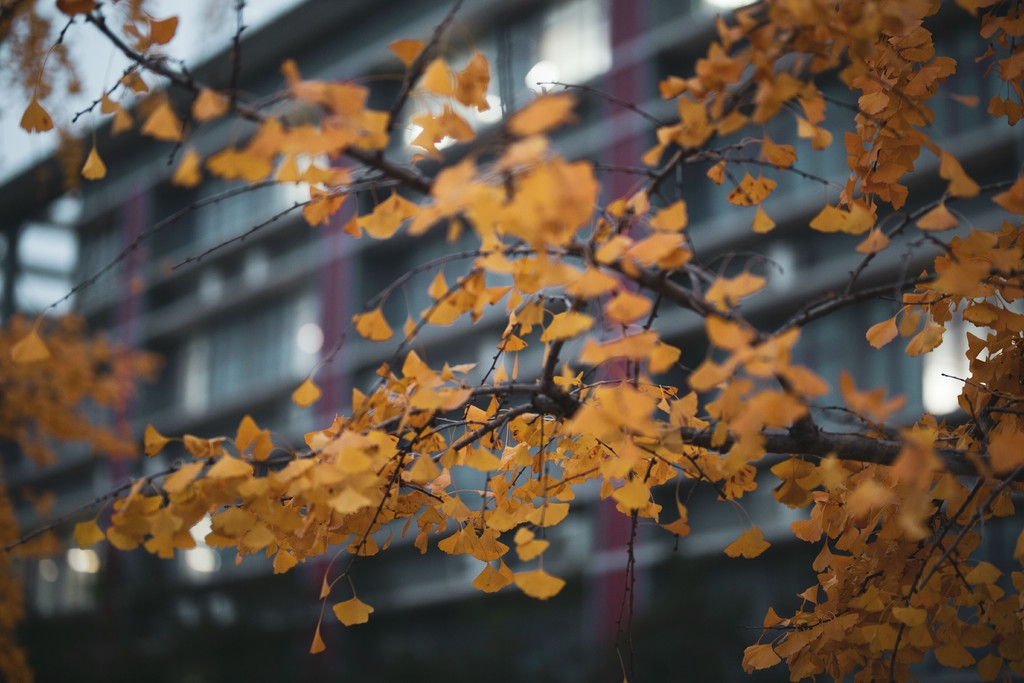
241, 325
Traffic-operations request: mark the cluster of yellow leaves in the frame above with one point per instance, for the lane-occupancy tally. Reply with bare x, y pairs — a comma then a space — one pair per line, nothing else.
885, 598
60, 386
586, 282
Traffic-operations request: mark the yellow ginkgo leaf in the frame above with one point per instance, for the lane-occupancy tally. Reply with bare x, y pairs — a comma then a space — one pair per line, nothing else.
353, 611
185, 475
188, 173
542, 114
88, 533
372, 325
107, 105
960, 184
122, 121
30, 349
875, 242
36, 119
73, 7
762, 221
939, 218
200, 447
882, 333
437, 77
284, 561
407, 49
318, 642
307, 394
491, 580
539, 584
633, 495
162, 31
671, 218
228, 467
758, 657
750, 544
566, 325
751, 190
94, 168
209, 105
163, 124
154, 441
627, 306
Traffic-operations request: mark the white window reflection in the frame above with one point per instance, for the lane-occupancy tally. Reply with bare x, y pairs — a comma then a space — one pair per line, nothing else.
575, 44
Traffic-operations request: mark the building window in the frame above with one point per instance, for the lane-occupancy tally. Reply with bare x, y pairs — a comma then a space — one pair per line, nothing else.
575, 44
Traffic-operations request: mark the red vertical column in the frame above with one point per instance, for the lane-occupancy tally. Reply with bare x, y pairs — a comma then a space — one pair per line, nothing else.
134, 217
336, 286
335, 292
628, 83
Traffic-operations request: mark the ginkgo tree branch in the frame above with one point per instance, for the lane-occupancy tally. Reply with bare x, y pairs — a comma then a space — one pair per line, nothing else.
419, 65
845, 446
410, 178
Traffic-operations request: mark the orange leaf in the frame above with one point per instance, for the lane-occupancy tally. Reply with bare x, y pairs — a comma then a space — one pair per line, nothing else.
73, 7
188, 173
163, 124
154, 440
758, 657
88, 533
539, 584
107, 105
36, 119
1012, 200
960, 184
437, 77
491, 580
372, 325
202, 448
779, 156
307, 394
407, 49
627, 307
122, 121
875, 242
30, 349
542, 114
185, 475
911, 616
318, 642
939, 218
209, 105
284, 561
567, 325
750, 544
162, 31
882, 333
232, 164
94, 169
633, 495
352, 612
228, 467
954, 655
672, 218
751, 190
1006, 451
762, 221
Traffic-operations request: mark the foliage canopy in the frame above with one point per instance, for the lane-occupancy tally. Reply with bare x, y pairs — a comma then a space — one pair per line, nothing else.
896, 510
